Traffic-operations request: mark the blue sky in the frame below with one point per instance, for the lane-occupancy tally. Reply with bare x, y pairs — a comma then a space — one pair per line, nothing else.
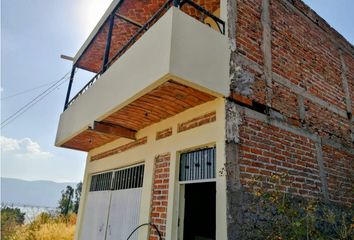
33, 35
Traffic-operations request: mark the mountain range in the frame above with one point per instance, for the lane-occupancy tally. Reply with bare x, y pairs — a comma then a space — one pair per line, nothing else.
40, 193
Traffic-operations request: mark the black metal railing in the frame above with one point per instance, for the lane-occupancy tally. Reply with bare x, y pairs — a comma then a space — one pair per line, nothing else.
178, 3
219, 23
84, 89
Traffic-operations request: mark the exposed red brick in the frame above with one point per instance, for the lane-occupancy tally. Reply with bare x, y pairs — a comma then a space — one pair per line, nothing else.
285, 101
339, 166
120, 149
197, 122
304, 52
241, 99
164, 133
249, 29
139, 11
326, 123
267, 150
306, 56
160, 195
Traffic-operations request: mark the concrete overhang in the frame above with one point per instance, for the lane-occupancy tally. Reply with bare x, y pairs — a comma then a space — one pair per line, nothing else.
178, 62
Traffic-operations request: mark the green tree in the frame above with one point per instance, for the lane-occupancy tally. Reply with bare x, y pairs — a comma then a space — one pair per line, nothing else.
77, 197
10, 219
70, 199
65, 202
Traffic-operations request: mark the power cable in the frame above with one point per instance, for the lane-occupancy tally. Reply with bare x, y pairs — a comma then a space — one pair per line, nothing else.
26, 91
32, 102
35, 100
146, 224
27, 106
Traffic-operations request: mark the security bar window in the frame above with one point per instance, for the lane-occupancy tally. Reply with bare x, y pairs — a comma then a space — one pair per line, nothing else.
118, 179
197, 165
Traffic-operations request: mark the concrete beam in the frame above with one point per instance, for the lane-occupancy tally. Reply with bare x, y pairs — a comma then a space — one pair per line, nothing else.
113, 129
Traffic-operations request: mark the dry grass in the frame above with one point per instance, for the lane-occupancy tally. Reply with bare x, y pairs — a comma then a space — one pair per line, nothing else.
48, 231
47, 228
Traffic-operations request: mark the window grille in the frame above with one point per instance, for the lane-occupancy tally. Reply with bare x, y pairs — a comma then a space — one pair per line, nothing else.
101, 182
128, 178
118, 179
197, 165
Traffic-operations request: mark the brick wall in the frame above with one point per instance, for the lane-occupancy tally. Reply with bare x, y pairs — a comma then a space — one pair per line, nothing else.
249, 40
267, 150
302, 53
160, 195
308, 58
339, 166
299, 81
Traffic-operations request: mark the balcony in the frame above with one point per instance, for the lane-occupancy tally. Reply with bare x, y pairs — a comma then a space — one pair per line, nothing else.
171, 63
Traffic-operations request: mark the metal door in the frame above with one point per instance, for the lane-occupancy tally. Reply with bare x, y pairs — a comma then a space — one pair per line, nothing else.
125, 202
113, 204
124, 214
95, 216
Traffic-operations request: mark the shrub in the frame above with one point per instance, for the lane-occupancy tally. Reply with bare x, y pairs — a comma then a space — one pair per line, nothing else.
273, 213
11, 218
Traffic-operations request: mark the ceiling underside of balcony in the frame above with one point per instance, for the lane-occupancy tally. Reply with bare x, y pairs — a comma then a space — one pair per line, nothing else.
167, 100
128, 17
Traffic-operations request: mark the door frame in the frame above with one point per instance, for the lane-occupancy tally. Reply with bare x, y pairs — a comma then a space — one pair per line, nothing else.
181, 186
181, 204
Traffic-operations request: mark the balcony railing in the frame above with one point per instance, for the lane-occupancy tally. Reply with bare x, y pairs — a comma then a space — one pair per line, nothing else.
107, 63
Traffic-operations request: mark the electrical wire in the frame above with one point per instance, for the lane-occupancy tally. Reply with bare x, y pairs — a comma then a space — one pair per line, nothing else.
146, 224
26, 91
28, 106
35, 100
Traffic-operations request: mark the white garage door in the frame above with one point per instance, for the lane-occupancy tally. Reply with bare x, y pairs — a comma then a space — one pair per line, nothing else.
124, 214
95, 216
113, 204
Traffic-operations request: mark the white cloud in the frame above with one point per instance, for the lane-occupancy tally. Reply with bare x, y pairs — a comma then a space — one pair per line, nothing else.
22, 148
9, 144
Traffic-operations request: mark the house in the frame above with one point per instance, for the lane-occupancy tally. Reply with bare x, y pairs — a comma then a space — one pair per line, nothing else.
192, 99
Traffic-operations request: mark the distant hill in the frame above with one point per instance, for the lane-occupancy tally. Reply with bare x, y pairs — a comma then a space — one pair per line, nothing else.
35, 193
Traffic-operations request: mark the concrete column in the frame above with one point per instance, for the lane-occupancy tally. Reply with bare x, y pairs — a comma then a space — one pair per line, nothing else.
322, 171
346, 90
267, 52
